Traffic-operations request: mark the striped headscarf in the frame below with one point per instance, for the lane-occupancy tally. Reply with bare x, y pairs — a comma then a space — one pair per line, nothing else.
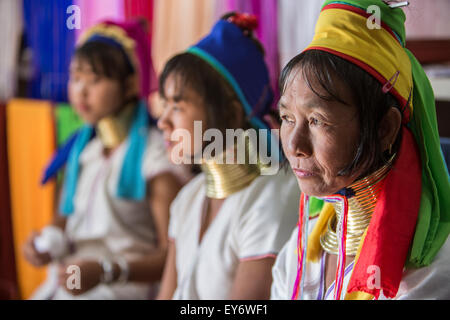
411, 221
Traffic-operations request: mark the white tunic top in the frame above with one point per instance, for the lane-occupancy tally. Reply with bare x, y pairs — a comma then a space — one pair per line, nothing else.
103, 225
252, 224
432, 282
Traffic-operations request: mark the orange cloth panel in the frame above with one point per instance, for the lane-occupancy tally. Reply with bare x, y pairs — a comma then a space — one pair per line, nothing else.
177, 25
31, 143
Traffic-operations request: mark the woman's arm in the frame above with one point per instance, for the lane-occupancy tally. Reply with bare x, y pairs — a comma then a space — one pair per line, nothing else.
58, 219
253, 280
163, 190
169, 279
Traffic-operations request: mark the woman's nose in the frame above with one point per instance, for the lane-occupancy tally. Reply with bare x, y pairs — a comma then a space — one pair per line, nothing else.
163, 121
83, 89
299, 142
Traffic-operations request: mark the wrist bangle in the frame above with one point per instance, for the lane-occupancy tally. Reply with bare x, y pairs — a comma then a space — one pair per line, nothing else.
124, 270
107, 276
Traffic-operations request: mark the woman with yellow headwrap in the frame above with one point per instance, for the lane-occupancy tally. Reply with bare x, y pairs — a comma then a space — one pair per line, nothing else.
359, 130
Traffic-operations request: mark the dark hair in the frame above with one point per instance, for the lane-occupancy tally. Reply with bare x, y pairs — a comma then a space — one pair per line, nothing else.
372, 104
106, 60
217, 94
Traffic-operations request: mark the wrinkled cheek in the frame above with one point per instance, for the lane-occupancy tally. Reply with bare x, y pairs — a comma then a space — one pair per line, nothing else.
284, 138
330, 162
333, 180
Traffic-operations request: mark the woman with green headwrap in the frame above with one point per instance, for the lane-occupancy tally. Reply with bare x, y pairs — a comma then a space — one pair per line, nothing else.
359, 130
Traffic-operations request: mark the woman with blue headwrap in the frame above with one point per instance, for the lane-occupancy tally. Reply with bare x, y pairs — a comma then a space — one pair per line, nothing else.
226, 227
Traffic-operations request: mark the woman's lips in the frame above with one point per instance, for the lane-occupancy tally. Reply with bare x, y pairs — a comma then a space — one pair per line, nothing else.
167, 143
303, 173
83, 107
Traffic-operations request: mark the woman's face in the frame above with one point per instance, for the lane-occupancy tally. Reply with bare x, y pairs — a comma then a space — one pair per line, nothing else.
319, 137
93, 97
177, 121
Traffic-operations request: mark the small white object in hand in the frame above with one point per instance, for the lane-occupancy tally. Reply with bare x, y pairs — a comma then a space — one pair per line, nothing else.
53, 241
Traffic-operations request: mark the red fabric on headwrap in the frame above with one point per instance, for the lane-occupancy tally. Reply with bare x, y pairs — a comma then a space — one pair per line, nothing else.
147, 75
245, 21
393, 224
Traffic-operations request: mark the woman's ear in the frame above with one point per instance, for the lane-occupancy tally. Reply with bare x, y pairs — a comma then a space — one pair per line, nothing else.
389, 128
132, 87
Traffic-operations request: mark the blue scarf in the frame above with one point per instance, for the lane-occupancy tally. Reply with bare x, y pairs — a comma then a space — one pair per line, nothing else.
131, 184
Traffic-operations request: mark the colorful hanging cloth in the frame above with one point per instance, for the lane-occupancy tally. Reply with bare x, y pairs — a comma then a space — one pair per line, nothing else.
31, 141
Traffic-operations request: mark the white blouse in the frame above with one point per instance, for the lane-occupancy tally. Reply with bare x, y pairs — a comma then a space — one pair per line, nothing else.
103, 225
252, 224
432, 282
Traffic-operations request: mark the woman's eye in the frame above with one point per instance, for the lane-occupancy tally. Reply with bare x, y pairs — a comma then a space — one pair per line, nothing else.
287, 119
172, 107
74, 78
315, 122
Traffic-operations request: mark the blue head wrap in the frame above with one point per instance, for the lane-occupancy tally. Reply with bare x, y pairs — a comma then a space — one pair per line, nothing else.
237, 58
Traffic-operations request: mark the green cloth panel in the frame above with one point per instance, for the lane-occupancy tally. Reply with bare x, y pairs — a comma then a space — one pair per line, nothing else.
67, 122
315, 207
433, 225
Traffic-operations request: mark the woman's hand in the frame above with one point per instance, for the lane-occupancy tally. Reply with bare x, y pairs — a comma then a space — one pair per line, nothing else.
88, 271
31, 254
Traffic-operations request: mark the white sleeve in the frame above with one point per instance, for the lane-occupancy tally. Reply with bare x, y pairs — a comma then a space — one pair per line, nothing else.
260, 235
278, 289
267, 226
284, 270
179, 208
173, 219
